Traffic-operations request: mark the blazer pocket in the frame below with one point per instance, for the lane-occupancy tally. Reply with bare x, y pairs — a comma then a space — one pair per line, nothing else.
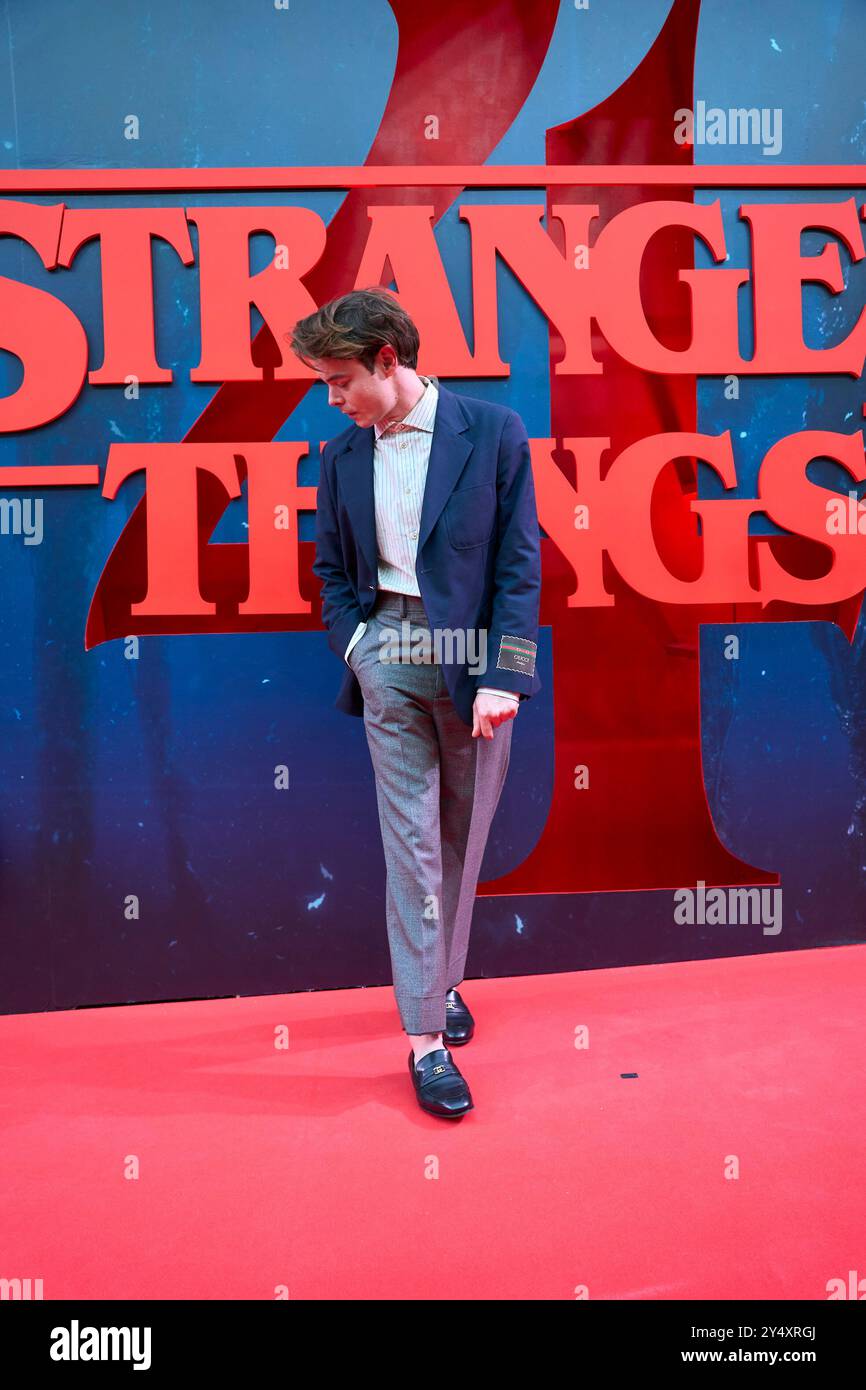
470, 516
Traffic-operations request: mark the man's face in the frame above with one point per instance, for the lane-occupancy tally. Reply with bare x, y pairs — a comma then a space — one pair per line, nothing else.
364, 397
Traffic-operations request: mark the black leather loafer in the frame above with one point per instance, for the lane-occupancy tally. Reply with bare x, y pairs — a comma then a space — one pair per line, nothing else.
439, 1087
459, 1023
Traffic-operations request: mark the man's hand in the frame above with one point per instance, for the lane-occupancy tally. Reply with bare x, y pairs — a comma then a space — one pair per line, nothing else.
490, 710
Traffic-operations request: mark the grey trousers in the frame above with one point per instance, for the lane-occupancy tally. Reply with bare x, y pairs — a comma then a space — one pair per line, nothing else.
437, 789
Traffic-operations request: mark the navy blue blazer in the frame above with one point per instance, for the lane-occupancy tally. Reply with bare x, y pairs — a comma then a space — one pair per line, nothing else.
478, 562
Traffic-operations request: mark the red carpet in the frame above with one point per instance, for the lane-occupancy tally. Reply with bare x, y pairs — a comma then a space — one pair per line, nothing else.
309, 1167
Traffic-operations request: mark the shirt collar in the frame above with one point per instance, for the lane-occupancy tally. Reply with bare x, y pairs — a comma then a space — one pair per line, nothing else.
422, 416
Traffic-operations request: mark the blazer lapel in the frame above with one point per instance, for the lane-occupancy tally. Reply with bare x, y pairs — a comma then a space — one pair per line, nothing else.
449, 450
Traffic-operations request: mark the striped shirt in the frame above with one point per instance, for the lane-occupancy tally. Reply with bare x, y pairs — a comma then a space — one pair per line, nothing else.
401, 454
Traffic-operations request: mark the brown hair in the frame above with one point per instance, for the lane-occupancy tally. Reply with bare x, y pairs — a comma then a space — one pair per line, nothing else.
357, 325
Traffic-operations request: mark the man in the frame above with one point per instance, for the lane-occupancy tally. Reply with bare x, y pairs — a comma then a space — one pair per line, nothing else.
428, 549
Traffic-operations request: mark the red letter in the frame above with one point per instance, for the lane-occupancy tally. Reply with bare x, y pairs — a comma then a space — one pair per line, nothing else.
127, 282
228, 289
39, 329
273, 496
625, 318
172, 517
561, 291
794, 502
629, 538
779, 272
403, 237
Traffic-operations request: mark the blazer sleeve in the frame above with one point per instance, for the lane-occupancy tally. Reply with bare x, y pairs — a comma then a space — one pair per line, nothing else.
512, 636
341, 612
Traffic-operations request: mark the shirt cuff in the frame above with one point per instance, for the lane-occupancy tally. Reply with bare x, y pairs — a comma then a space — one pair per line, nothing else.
359, 630
490, 690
